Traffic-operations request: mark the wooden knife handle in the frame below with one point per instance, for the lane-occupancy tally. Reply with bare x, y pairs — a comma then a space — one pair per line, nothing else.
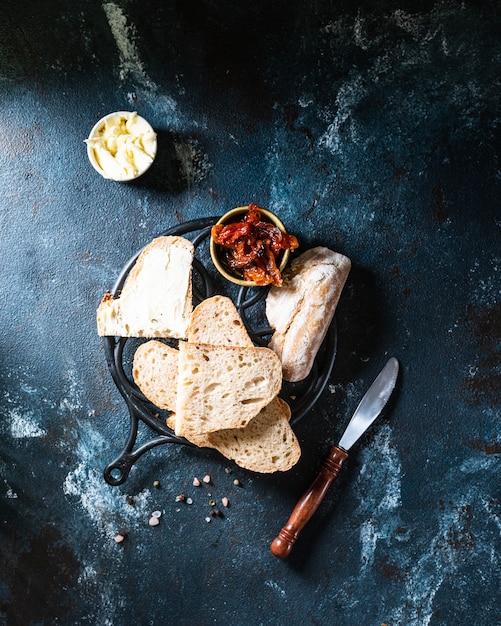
308, 503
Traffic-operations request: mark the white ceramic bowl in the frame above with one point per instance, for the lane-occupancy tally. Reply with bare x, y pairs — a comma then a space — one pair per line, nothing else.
121, 146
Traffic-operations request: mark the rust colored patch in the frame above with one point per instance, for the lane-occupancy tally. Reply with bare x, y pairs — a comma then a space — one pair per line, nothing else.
459, 536
482, 446
459, 539
485, 324
399, 172
391, 571
399, 279
494, 448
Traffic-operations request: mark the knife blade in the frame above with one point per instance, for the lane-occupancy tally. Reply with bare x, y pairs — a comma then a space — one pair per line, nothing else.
368, 410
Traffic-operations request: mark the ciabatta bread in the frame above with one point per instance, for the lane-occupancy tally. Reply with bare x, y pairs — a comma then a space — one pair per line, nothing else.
267, 444
216, 321
301, 311
156, 299
222, 387
155, 373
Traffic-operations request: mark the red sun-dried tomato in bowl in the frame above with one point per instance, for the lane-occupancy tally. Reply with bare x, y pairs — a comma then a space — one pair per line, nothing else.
250, 246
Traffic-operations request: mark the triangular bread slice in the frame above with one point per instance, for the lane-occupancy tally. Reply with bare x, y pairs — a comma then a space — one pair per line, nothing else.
222, 387
156, 299
216, 321
266, 445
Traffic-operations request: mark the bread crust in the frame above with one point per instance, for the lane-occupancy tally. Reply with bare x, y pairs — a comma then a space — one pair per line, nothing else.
217, 321
114, 317
301, 311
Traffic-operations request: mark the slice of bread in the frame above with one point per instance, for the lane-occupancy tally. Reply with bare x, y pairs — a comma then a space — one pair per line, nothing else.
156, 299
267, 444
155, 372
216, 321
222, 387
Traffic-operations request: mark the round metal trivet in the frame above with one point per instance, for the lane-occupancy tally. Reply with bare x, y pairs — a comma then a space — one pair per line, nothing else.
250, 303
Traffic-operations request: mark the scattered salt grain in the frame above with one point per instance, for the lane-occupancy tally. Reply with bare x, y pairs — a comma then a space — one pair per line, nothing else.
119, 538
189, 501
207, 519
154, 521
156, 514
225, 502
206, 479
236, 482
196, 482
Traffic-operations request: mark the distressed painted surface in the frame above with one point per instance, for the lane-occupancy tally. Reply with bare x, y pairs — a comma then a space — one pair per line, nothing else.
372, 129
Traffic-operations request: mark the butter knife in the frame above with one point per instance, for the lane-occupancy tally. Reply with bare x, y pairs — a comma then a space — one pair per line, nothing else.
367, 411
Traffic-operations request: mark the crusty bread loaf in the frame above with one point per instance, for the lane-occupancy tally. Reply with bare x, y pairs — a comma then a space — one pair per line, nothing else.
156, 299
222, 387
155, 372
216, 321
301, 311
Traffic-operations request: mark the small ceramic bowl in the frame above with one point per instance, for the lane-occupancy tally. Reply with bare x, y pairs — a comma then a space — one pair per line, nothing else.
233, 275
112, 141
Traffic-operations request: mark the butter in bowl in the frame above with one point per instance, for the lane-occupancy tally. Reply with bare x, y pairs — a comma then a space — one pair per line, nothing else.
250, 246
122, 146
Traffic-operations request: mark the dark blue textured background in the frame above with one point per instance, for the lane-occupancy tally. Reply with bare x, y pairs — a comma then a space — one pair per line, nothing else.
372, 128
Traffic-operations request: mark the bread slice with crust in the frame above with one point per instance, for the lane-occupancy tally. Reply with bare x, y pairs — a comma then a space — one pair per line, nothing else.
222, 387
216, 321
266, 445
155, 373
156, 299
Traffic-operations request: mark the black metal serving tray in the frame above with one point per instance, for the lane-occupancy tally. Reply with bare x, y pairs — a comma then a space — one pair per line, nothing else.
250, 303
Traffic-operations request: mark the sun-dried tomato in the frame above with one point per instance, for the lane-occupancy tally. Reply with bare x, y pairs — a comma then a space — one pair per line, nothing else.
253, 246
